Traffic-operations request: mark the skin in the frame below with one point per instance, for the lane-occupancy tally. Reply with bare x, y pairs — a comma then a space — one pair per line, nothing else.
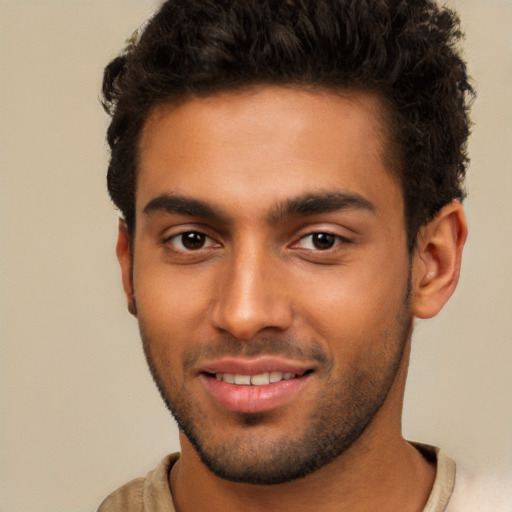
257, 284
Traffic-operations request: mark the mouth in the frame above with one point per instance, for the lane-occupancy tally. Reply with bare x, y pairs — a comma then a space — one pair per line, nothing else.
261, 379
255, 386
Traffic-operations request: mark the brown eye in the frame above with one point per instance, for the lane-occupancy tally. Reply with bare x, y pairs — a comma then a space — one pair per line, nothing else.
190, 246
323, 241
193, 240
188, 241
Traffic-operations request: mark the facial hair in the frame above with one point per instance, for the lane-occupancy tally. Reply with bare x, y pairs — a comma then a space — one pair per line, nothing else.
252, 452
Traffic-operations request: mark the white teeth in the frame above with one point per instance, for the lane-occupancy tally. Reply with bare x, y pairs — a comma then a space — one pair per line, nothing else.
260, 380
244, 380
275, 376
255, 380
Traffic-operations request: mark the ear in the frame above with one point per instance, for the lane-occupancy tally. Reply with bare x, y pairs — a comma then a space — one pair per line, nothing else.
124, 256
437, 260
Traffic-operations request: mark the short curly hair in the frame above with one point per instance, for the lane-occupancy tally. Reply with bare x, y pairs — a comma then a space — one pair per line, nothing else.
406, 52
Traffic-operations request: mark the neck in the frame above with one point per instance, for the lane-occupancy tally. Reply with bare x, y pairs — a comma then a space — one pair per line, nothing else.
380, 471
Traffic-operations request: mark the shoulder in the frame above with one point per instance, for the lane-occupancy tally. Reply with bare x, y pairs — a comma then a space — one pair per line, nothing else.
126, 498
146, 494
458, 490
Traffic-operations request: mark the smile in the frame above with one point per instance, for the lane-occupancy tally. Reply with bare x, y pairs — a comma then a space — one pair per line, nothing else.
261, 379
255, 391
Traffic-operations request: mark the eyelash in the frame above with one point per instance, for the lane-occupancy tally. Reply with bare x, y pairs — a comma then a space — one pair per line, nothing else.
183, 249
177, 242
336, 241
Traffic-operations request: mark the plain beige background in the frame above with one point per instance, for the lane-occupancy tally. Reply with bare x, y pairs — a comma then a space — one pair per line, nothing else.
78, 411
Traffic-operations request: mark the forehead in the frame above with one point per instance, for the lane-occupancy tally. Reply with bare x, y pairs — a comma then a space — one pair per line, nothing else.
266, 144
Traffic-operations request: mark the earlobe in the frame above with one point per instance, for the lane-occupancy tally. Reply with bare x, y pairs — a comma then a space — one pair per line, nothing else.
124, 256
437, 260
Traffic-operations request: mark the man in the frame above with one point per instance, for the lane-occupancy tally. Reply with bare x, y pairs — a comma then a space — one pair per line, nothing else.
290, 180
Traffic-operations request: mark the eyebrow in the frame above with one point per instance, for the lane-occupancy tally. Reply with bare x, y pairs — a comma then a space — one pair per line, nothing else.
323, 202
304, 205
173, 203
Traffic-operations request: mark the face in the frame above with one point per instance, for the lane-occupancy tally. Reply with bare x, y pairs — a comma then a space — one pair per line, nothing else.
270, 275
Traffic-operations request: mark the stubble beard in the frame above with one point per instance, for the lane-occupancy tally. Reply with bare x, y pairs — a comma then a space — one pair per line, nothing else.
342, 413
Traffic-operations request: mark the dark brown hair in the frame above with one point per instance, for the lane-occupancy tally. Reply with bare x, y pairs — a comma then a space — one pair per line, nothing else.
405, 51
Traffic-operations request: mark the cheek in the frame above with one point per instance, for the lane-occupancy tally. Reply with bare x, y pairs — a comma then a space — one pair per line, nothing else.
171, 304
354, 304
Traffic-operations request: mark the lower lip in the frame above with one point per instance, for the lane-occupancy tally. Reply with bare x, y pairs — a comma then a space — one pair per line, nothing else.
253, 399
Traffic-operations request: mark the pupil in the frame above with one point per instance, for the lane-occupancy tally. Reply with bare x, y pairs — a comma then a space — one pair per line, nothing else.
193, 240
323, 240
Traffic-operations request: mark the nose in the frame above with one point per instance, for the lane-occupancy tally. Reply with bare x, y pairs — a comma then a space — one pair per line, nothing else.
252, 296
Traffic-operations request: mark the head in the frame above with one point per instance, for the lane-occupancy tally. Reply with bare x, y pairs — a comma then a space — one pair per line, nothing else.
288, 173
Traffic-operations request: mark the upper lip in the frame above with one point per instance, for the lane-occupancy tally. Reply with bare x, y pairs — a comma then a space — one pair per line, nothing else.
254, 366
